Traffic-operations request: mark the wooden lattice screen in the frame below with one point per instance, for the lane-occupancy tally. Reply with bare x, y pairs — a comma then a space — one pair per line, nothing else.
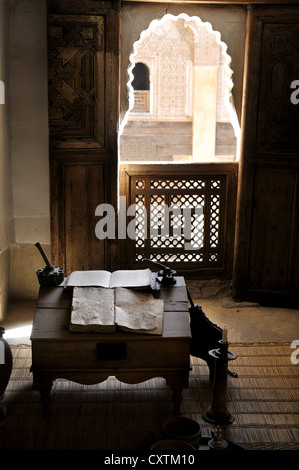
184, 215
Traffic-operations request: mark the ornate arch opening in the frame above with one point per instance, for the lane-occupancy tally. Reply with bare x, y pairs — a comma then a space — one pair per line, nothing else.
189, 115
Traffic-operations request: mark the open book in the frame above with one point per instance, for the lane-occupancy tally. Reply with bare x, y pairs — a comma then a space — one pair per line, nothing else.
134, 278
97, 309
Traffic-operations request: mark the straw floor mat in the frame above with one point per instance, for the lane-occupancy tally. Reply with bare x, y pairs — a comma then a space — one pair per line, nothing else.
264, 400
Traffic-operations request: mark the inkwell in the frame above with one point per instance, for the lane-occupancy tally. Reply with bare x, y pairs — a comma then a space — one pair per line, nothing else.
50, 275
166, 276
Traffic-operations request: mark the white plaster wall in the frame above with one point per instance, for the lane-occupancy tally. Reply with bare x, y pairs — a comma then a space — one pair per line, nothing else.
6, 198
29, 143
29, 120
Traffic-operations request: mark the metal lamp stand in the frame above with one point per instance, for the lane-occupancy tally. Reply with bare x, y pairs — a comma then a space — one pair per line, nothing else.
218, 413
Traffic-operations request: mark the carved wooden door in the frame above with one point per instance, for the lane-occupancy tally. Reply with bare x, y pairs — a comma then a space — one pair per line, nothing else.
266, 267
83, 51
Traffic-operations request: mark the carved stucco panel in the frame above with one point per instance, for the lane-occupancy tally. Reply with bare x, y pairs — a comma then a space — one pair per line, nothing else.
170, 50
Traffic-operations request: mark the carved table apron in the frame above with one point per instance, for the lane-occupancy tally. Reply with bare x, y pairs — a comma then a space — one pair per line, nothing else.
90, 358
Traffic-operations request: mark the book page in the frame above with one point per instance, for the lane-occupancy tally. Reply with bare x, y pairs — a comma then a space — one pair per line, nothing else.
92, 310
138, 312
131, 278
99, 278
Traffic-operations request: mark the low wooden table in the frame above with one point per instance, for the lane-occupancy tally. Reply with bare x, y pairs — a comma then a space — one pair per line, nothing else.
90, 358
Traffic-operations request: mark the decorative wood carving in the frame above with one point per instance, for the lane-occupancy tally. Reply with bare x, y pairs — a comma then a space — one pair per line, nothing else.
76, 81
207, 191
83, 63
278, 118
267, 231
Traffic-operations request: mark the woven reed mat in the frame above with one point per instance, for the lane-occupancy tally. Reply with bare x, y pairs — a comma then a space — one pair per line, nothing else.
264, 400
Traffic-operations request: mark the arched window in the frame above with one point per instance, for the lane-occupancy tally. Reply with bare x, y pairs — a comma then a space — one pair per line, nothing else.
141, 87
180, 75
141, 77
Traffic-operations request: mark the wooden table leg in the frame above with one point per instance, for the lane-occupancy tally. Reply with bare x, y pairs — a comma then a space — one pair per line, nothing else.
45, 397
177, 382
2, 409
177, 399
43, 385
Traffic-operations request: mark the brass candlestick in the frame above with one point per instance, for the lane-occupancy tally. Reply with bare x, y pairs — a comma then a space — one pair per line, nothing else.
218, 413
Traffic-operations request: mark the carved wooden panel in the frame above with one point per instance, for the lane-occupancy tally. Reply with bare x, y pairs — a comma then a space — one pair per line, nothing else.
278, 117
271, 252
84, 188
76, 81
83, 64
267, 229
184, 215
